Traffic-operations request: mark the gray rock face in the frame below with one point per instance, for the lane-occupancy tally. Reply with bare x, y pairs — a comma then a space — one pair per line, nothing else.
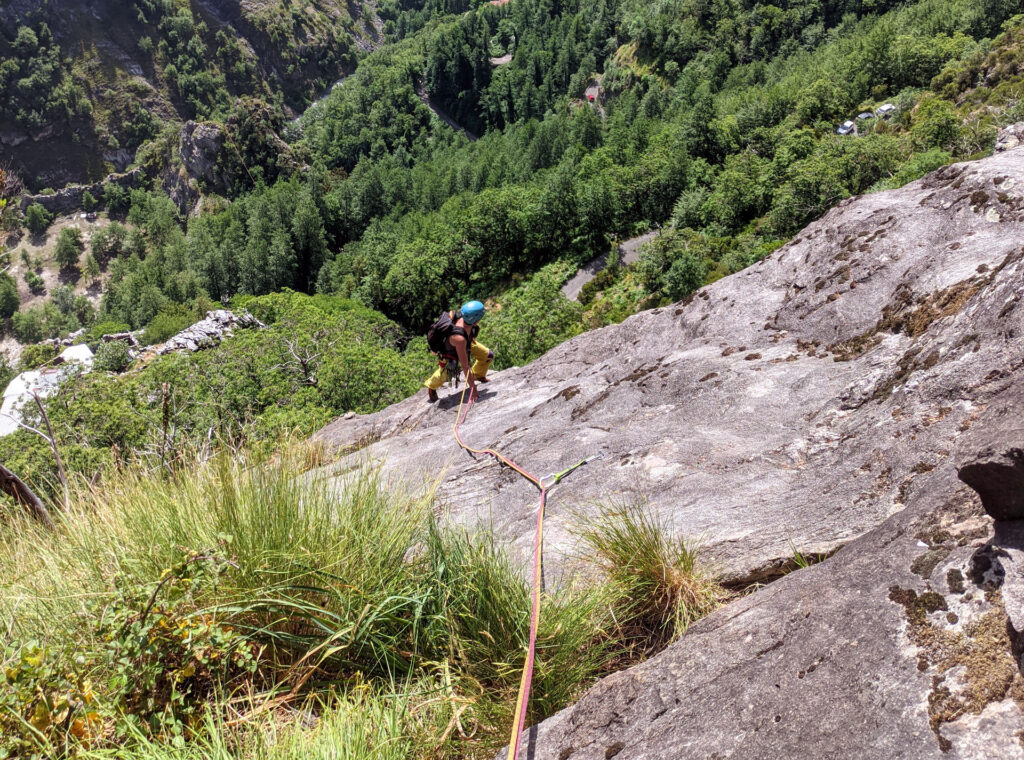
797, 404
209, 332
199, 146
69, 199
905, 644
1010, 137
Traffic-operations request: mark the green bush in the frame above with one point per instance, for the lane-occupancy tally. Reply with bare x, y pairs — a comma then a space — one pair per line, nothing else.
89, 201
115, 198
112, 356
28, 326
97, 331
9, 299
7, 372
35, 356
37, 218
171, 320
69, 247
686, 275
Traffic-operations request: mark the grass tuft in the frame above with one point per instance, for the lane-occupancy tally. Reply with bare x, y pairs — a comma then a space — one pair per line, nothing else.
657, 584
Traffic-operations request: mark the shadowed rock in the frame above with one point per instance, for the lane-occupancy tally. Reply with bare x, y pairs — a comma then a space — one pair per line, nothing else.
999, 480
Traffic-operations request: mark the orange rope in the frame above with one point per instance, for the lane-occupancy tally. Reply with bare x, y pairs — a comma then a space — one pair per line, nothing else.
542, 483
523, 699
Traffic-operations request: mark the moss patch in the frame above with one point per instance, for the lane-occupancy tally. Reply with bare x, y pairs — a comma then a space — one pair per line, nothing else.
982, 654
924, 564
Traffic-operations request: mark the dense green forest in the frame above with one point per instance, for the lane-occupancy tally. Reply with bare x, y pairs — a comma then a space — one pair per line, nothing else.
95, 81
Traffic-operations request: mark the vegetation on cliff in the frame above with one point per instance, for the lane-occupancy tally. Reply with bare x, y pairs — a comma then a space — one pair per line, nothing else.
233, 608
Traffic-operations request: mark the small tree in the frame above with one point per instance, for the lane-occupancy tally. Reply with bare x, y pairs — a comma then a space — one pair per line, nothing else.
112, 356
9, 300
115, 197
37, 219
686, 274
92, 268
69, 247
88, 201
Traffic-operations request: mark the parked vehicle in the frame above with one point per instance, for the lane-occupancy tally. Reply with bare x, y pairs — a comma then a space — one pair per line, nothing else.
846, 128
886, 110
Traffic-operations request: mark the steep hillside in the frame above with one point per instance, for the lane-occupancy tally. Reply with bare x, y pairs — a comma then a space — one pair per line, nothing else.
85, 83
792, 407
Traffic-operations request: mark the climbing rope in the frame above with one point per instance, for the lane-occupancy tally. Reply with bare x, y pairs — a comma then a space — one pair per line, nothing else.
543, 484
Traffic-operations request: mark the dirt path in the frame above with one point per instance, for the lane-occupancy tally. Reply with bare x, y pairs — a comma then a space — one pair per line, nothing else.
629, 252
421, 91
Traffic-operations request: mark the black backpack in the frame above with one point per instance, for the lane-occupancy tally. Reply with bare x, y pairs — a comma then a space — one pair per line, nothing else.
442, 329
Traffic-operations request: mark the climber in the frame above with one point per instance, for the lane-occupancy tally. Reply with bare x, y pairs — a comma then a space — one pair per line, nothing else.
453, 338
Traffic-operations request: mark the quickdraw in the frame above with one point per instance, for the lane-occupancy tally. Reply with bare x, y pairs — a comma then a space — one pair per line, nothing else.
543, 484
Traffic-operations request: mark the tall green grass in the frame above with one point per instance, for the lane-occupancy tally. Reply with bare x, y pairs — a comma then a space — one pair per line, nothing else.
254, 611
657, 584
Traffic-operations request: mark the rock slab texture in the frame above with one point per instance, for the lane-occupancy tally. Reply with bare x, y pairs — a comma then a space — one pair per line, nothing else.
795, 405
824, 398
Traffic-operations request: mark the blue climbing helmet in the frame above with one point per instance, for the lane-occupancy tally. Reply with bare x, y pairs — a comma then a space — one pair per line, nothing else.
472, 312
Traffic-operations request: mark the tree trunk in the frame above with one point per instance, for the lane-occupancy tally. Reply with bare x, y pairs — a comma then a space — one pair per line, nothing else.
15, 487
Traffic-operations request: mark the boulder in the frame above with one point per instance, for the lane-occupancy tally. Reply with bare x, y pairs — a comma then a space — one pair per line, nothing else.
1010, 137
208, 332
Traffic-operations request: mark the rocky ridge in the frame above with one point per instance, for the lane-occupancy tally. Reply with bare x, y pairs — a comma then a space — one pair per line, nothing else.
209, 331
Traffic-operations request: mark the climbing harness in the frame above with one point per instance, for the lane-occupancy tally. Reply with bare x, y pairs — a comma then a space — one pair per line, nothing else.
543, 484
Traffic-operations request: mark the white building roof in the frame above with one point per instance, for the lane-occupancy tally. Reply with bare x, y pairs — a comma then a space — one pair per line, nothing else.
42, 382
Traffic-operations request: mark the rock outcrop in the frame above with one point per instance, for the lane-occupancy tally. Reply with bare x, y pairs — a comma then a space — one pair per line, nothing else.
824, 399
208, 332
797, 404
199, 147
69, 199
1010, 137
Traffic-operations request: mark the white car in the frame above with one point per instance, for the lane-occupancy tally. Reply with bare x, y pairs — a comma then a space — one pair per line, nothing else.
845, 128
886, 110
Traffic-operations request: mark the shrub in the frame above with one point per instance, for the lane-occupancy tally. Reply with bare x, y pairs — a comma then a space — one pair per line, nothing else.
657, 583
37, 218
35, 282
69, 247
686, 274
9, 299
170, 321
28, 327
89, 201
107, 327
35, 356
112, 356
115, 198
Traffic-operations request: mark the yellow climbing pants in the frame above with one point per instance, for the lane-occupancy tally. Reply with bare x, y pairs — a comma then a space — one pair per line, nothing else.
481, 356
